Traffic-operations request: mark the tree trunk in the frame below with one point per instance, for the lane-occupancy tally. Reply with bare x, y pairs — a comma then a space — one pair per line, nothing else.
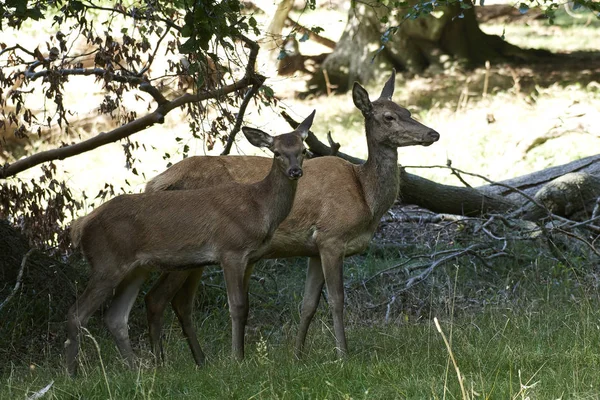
427, 42
569, 190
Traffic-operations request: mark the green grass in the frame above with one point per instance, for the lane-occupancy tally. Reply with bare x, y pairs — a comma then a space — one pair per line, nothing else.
550, 352
516, 332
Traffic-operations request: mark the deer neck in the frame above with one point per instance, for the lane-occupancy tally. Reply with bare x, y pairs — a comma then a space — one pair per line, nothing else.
277, 192
379, 176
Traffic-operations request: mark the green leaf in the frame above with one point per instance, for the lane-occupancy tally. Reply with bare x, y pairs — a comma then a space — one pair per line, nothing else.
187, 30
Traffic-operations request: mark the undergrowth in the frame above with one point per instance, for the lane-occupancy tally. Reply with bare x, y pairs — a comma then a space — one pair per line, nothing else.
516, 330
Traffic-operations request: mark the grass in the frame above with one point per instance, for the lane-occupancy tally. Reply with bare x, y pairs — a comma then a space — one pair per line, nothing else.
516, 332
549, 352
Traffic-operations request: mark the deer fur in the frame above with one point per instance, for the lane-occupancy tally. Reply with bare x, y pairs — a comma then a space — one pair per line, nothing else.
232, 224
337, 209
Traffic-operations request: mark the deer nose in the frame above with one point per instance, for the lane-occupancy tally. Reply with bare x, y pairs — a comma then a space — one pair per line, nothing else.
433, 136
295, 172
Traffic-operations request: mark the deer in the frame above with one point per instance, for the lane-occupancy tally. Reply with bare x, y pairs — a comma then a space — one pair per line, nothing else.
232, 224
337, 209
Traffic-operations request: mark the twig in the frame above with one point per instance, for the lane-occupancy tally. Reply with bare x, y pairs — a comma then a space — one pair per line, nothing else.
19, 279
423, 275
17, 46
453, 253
153, 55
577, 237
240, 115
100, 72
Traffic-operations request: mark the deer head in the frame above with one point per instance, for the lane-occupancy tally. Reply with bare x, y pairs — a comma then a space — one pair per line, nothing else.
288, 149
389, 124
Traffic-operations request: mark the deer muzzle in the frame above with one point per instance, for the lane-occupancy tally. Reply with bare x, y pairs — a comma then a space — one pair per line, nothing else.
295, 172
430, 137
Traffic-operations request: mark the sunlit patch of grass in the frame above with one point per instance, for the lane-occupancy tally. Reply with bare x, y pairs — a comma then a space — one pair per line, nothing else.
566, 34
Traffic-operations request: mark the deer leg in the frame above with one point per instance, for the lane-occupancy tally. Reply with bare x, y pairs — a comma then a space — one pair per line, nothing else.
98, 290
310, 301
156, 300
117, 315
183, 305
332, 263
236, 276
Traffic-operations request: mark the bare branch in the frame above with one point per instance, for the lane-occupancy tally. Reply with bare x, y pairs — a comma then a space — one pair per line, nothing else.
316, 146
19, 280
154, 92
153, 55
101, 72
240, 115
459, 253
17, 46
335, 146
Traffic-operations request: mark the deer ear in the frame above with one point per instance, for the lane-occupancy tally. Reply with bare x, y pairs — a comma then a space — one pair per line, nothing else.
304, 127
361, 99
257, 137
388, 88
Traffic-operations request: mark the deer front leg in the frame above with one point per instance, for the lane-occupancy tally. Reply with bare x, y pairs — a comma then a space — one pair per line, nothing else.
183, 305
98, 290
117, 315
161, 293
332, 263
237, 276
312, 295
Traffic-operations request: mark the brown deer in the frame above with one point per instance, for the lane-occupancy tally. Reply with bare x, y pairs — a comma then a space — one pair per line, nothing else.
232, 225
337, 209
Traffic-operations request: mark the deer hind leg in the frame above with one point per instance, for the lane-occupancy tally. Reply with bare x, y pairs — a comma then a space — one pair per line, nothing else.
97, 291
156, 302
117, 315
183, 305
237, 277
312, 294
332, 262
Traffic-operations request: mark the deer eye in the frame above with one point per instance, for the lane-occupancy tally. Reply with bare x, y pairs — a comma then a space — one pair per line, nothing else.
276, 153
388, 116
